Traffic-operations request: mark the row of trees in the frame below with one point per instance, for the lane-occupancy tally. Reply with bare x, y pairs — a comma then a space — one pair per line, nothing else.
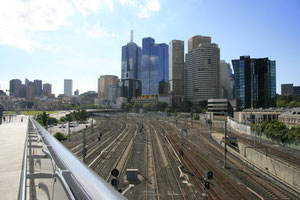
44, 119
185, 106
76, 115
279, 131
287, 101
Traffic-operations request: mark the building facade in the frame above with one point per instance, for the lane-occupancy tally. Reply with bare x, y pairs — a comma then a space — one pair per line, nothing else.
38, 88
287, 89
226, 80
14, 86
202, 70
154, 68
68, 87
131, 61
47, 89
130, 88
176, 67
194, 42
255, 82
103, 83
297, 91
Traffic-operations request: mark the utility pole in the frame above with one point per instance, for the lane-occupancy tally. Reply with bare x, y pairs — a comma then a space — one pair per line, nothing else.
181, 146
225, 143
83, 145
69, 131
255, 133
260, 129
92, 127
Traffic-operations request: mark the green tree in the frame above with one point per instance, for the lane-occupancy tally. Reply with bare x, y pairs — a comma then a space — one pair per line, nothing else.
60, 136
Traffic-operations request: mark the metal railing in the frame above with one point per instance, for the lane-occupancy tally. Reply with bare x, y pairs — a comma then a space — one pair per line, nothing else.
78, 181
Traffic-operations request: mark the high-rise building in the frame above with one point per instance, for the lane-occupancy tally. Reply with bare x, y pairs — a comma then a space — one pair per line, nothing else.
76, 92
130, 88
297, 91
30, 91
131, 60
226, 81
68, 87
255, 82
202, 70
103, 83
176, 67
47, 89
38, 89
287, 89
14, 86
194, 42
154, 68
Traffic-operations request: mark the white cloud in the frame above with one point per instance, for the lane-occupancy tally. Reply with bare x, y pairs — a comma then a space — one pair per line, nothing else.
19, 19
145, 6
100, 32
150, 6
127, 2
97, 32
86, 6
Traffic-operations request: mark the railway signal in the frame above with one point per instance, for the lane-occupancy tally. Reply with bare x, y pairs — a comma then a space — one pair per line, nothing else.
209, 175
206, 185
115, 172
99, 139
115, 181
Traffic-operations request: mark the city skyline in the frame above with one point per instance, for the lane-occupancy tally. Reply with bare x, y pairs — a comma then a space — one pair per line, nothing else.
84, 42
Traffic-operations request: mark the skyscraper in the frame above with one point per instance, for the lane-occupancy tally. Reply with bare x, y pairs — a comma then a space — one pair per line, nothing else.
193, 43
226, 81
255, 82
37, 84
14, 86
176, 67
47, 89
131, 60
68, 87
154, 67
103, 83
202, 70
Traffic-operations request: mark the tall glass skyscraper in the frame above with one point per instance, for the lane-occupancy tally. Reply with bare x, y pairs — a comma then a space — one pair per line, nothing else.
154, 67
131, 61
255, 82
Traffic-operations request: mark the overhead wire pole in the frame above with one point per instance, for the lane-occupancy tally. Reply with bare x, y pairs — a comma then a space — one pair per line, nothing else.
69, 131
83, 145
225, 143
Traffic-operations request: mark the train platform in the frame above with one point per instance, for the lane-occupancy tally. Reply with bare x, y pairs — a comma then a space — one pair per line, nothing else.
12, 143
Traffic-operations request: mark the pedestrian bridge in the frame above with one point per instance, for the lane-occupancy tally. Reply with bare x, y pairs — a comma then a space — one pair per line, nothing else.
34, 165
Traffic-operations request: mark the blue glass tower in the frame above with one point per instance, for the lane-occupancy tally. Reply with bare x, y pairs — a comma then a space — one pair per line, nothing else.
131, 61
154, 67
255, 82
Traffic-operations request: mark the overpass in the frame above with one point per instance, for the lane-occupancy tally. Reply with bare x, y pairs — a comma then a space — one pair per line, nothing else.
34, 165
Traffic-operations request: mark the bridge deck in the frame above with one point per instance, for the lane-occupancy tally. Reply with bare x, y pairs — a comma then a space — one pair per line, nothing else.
12, 140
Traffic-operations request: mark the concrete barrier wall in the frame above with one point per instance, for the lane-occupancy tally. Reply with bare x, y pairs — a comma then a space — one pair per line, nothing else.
283, 171
239, 127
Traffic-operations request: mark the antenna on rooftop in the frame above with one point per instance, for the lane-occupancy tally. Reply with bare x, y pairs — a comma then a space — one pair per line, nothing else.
131, 35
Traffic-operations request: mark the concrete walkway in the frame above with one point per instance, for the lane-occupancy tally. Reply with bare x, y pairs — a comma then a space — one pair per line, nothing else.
12, 140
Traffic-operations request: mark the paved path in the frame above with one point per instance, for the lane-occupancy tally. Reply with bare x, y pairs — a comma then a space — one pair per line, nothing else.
12, 140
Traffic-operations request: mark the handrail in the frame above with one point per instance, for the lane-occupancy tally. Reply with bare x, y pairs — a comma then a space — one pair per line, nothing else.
22, 186
83, 182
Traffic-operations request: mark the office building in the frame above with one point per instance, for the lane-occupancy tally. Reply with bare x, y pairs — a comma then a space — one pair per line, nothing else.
131, 60
154, 68
14, 86
194, 42
130, 88
76, 92
30, 91
176, 67
255, 82
287, 89
226, 80
297, 91
202, 70
38, 89
68, 87
103, 83
47, 89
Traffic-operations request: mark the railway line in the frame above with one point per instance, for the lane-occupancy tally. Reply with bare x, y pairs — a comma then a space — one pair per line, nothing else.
151, 146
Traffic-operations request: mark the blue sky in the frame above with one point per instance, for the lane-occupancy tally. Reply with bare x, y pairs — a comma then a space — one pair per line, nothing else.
81, 39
